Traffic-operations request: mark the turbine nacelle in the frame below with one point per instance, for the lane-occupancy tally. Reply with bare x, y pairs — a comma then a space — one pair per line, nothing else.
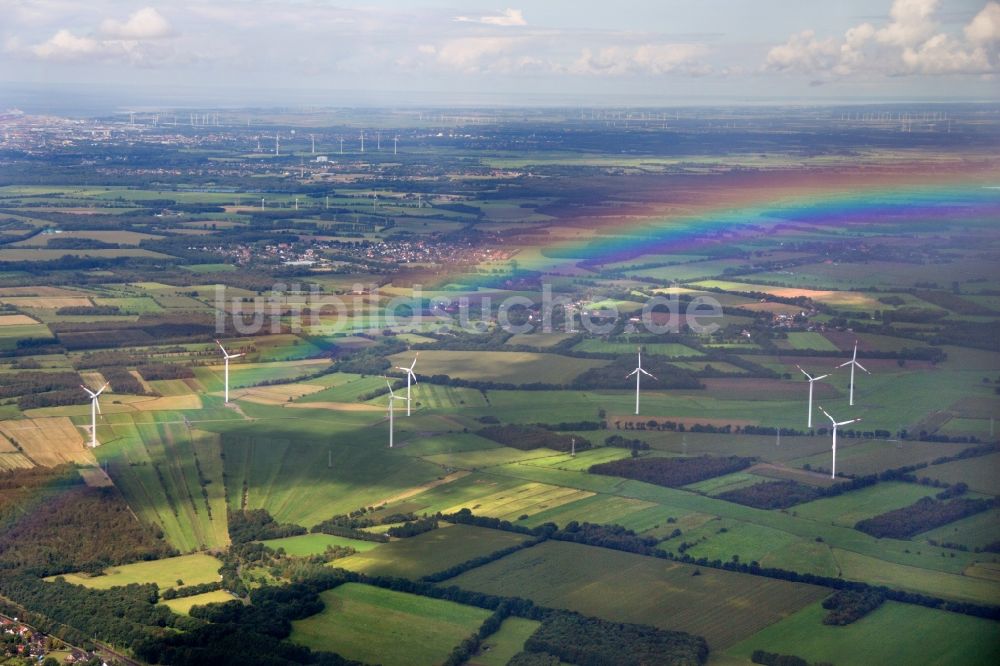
810, 377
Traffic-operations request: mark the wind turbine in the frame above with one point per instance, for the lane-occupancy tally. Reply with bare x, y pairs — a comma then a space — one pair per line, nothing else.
95, 409
227, 356
362, 141
409, 375
638, 372
853, 362
833, 467
811, 381
392, 397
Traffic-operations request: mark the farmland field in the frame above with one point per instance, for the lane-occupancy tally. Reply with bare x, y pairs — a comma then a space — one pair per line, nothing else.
885, 636
982, 474
183, 605
498, 649
504, 367
316, 544
410, 629
723, 607
191, 569
429, 552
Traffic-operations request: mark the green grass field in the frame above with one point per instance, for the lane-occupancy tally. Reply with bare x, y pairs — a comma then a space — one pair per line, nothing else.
192, 569
975, 531
498, 649
722, 606
671, 349
894, 634
183, 605
160, 464
373, 625
506, 367
429, 552
982, 473
848, 508
316, 544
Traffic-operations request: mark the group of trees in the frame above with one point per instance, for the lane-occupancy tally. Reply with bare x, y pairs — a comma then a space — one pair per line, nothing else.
40, 389
258, 525
526, 437
351, 525
413, 528
589, 641
672, 472
924, 514
53, 523
772, 494
846, 606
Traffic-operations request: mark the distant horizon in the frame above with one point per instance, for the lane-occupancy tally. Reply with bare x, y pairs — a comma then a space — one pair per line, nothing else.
89, 99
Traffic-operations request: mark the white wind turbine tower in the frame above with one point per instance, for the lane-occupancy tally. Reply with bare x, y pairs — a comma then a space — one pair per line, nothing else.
410, 375
833, 467
362, 141
638, 372
95, 409
812, 380
227, 356
853, 362
392, 397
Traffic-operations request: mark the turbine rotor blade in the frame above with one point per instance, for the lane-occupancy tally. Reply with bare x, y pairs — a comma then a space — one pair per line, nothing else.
862, 367
808, 376
648, 374
816, 379
832, 420
633, 372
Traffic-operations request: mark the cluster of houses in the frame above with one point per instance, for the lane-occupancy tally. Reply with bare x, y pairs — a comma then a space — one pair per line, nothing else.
18, 640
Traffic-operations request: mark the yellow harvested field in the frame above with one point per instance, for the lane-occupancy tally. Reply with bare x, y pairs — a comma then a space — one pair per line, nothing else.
9, 461
142, 382
93, 379
843, 298
46, 302
122, 404
39, 291
6, 446
49, 441
337, 406
275, 395
121, 237
189, 401
16, 320
526, 499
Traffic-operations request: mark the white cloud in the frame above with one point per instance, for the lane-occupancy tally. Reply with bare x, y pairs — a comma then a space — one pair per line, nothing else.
64, 45
802, 53
910, 43
473, 54
910, 23
985, 27
507, 18
147, 23
131, 40
642, 59
942, 54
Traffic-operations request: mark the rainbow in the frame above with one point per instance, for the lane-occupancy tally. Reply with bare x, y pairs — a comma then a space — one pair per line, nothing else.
755, 208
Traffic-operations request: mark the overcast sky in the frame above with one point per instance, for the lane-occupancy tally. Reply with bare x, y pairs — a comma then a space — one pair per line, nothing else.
659, 51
